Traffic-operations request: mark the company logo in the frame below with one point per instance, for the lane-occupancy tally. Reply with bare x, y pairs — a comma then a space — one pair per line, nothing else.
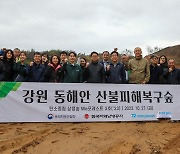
7, 87
133, 115
86, 116
164, 114
50, 116
142, 116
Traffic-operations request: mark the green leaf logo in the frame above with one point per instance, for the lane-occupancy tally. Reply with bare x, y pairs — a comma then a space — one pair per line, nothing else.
6, 87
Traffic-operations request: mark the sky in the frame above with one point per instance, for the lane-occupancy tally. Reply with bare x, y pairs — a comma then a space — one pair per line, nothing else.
89, 25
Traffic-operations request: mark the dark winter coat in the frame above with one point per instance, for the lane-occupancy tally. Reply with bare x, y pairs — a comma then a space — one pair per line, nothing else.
83, 69
116, 74
95, 73
20, 71
173, 77
53, 74
163, 70
35, 73
155, 74
2, 70
9, 71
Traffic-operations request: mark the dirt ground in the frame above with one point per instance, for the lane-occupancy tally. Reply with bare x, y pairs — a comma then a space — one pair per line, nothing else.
91, 138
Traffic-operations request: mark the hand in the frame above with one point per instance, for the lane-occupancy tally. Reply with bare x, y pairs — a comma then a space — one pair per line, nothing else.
170, 69
161, 62
87, 64
31, 63
65, 60
45, 59
144, 82
17, 59
108, 67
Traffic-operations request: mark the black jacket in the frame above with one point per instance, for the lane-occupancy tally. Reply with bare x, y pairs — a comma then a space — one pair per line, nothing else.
155, 74
95, 73
53, 74
20, 70
9, 72
173, 77
2, 70
163, 70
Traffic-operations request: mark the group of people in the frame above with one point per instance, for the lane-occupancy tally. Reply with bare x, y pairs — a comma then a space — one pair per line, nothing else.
63, 68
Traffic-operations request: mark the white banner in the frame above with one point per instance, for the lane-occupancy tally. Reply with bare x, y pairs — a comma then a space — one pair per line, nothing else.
60, 102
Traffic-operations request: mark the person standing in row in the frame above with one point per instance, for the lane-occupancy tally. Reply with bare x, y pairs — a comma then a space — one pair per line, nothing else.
20, 68
155, 71
35, 70
83, 65
72, 71
139, 68
63, 57
95, 71
172, 75
45, 59
8, 61
2, 67
105, 61
16, 53
163, 64
124, 60
116, 70
53, 72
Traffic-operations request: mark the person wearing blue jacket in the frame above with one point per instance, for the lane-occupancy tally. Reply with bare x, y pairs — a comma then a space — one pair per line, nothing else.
116, 70
35, 70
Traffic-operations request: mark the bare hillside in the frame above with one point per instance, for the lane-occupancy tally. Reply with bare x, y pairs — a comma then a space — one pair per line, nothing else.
171, 52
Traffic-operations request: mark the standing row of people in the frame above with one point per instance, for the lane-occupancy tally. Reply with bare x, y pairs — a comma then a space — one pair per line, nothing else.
13, 67
157, 72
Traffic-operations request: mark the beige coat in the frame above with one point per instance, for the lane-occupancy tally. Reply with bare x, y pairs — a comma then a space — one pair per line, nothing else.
139, 70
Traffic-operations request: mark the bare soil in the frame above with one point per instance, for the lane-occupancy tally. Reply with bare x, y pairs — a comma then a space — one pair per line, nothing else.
90, 138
